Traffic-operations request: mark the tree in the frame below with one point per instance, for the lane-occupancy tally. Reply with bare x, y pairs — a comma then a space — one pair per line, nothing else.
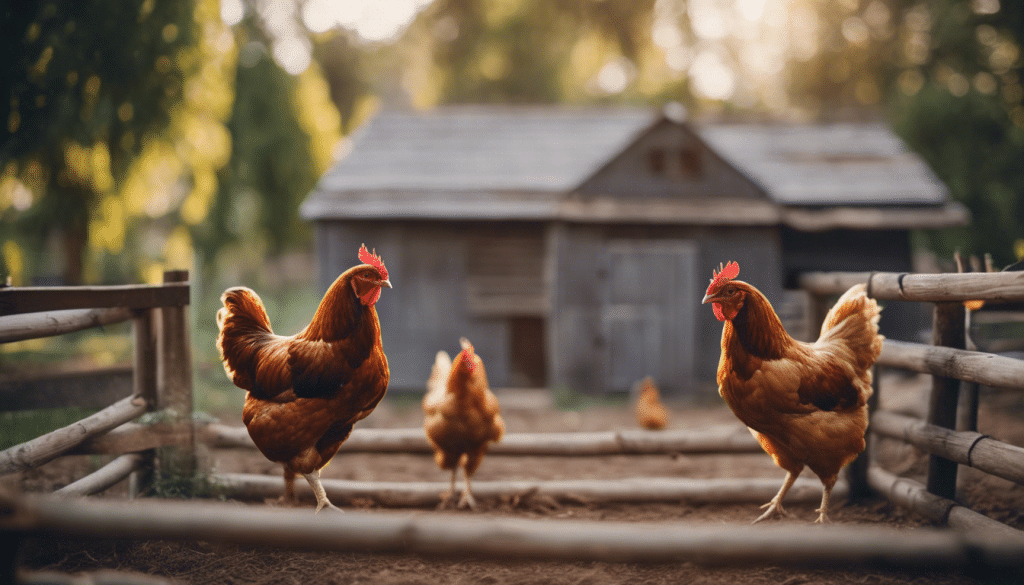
86, 82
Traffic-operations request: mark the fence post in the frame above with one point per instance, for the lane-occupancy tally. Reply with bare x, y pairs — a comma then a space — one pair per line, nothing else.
858, 470
947, 331
144, 385
174, 385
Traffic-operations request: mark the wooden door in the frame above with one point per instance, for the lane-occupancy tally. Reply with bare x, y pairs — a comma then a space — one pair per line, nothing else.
648, 318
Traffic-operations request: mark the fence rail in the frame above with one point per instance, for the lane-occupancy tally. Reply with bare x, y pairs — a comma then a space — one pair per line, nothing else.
448, 535
932, 288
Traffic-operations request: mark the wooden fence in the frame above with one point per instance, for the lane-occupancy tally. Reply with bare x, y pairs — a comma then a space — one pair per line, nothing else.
950, 364
161, 382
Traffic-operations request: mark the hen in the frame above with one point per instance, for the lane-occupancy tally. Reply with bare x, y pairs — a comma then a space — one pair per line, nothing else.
306, 391
806, 403
461, 416
650, 412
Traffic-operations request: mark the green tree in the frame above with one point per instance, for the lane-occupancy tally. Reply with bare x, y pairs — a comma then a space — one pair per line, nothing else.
86, 82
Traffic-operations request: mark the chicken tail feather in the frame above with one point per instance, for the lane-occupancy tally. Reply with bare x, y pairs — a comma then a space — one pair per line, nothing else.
853, 321
243, 327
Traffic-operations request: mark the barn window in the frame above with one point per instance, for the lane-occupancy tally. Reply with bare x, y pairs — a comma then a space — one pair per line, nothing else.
690, 163
505, 271
656, 161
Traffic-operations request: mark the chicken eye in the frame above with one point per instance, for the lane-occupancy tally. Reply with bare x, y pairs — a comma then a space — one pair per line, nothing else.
730, 291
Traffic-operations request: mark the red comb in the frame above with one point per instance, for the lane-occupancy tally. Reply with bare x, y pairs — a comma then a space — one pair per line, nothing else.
729, 272
374, 260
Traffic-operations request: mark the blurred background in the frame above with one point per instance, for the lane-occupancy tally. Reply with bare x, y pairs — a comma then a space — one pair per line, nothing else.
140, 136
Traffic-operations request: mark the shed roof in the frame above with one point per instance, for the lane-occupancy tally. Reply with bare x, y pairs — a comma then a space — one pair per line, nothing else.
835, 164
522, 163
484, 149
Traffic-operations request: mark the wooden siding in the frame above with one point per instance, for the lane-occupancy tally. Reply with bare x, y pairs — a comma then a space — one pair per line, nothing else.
576, 334
505, 271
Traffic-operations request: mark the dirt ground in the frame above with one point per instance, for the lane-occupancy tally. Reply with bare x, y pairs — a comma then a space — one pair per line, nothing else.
1001, 416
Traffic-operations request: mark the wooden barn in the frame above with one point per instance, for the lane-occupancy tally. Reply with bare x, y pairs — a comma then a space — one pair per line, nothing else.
573, 247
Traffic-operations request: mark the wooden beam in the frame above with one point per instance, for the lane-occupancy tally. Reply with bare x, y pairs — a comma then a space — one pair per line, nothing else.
418, 494
85, 388
51, 323
971, 366
103, 478
966, 448
35, 299
42, 449
101, 577
932, 288
461, 536
947, 331
718, 439
132, 438
174, 384
912, 495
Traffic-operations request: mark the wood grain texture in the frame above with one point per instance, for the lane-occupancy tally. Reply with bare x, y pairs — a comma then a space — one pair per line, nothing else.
892, 286
40, 450
34, 299
970, 366
103, 478
51, 323
459, 536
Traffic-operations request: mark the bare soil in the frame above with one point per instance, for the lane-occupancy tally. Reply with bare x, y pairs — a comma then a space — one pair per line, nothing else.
1001, 416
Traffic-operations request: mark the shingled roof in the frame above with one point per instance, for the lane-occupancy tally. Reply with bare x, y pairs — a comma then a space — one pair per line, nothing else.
523, 162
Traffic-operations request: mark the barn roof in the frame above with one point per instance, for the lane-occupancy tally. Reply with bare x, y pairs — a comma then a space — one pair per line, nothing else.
836, 164
484, 149
525, 163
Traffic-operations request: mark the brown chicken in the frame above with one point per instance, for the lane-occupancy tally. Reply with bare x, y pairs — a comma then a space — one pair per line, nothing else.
806, 403
306, 391
650, 412
461, 416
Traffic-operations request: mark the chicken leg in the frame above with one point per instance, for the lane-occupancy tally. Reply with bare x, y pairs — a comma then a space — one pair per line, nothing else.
318, 491
447, 496
826, 493
775, 505
467, 501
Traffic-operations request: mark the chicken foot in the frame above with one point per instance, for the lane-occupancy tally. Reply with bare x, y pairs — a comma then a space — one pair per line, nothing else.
465, 501
319, 492
775, 505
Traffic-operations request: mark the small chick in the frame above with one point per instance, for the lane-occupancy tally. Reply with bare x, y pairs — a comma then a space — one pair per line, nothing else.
650, 412
461, 416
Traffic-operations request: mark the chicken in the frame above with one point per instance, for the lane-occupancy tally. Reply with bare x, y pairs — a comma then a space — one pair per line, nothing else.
805, 403
306, 391
461, 416
650, 412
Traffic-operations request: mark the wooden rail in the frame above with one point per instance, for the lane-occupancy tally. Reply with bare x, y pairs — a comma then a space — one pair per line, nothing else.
635, 490
49, 324
450, 535
896, 286
970, 366
48, 447
107, 476
966, 448
35, 299
719, 439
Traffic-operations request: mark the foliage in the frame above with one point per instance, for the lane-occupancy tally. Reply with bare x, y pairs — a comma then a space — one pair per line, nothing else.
961, 106
79, 94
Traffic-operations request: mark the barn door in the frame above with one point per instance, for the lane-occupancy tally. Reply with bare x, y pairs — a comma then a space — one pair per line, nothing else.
649, 311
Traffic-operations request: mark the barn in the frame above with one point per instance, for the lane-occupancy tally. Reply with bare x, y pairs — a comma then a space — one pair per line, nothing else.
573, 246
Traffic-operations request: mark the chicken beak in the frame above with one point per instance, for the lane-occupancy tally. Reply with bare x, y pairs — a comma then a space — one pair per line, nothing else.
386, 283
707, 299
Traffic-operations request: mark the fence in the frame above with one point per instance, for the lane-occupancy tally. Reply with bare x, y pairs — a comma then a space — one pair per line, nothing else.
161, 358
949, 363
161, 382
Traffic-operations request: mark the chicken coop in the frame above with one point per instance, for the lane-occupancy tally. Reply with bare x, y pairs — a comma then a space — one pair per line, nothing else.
573, 246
